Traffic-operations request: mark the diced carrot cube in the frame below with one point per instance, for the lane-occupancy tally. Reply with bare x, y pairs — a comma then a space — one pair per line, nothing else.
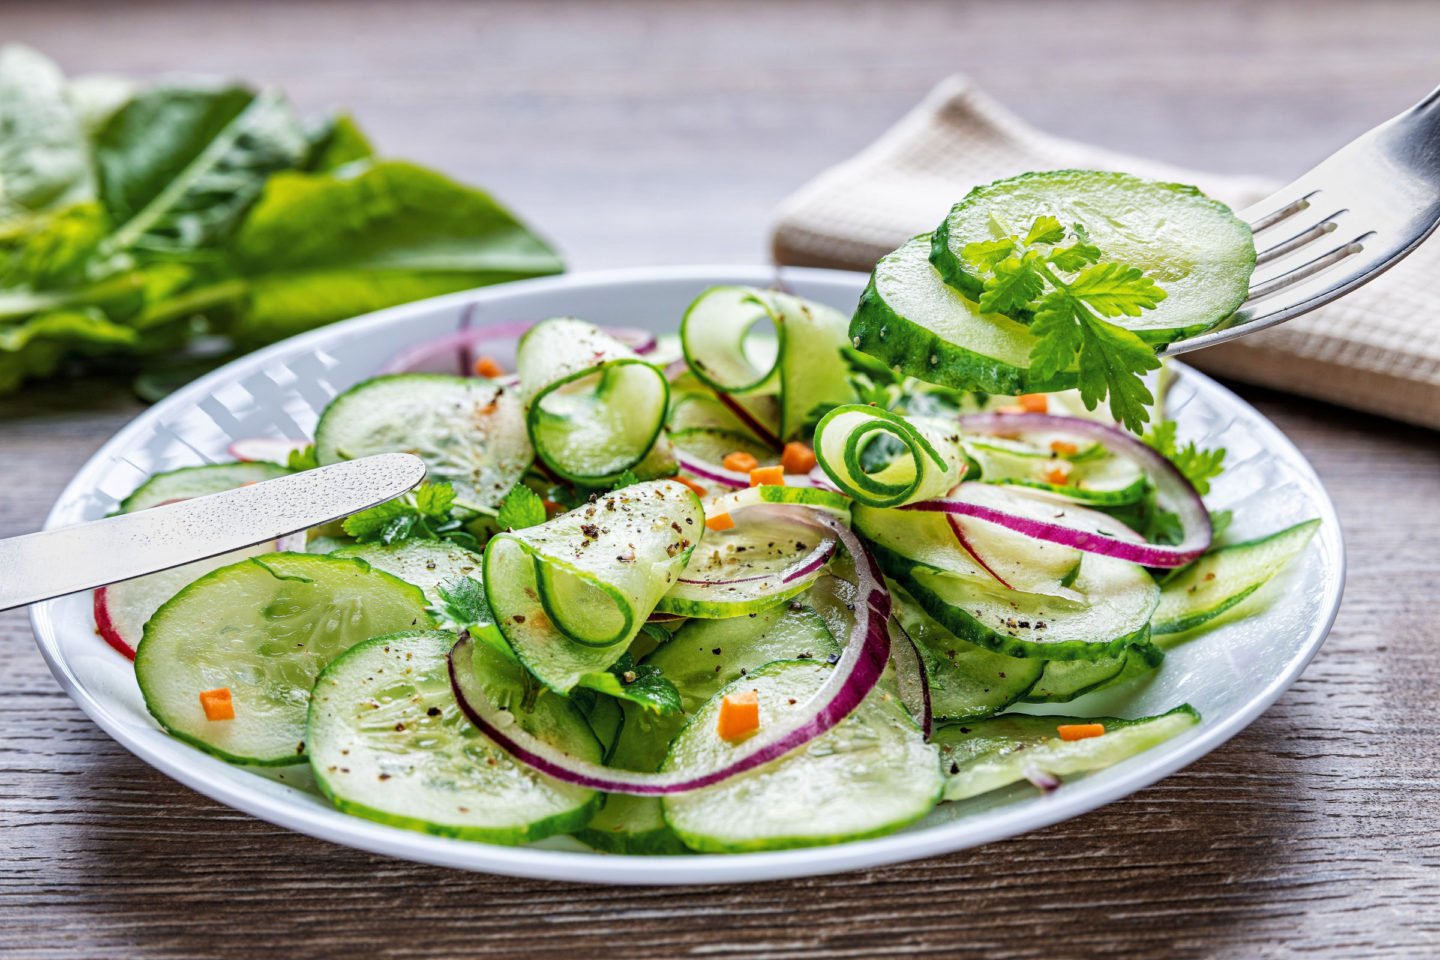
1064, 448
797, 458
767, 477
740, 462
1033, 402
488, 367
721, 521
739, 716
217, 704
1059, 474
698, 490
1080, 731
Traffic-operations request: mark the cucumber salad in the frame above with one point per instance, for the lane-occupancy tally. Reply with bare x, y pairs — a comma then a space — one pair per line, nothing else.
785, 577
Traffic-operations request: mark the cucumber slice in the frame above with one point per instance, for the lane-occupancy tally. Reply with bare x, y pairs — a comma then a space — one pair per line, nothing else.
701, 409
264, 628
966, 681
570, 594
425, 563
388, 742
1222, 578
187, 482
713, 445
594, 407
984, 755
803, 365
909, 320
1064, 680
633, 824
470, 432
1097, 477
926, 461
870, 775
743, 570
1196, 248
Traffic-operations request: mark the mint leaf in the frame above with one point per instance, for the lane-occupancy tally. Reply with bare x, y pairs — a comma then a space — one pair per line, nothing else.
641, 684
1012, 286
426, 513
1198, 465
463, 606
521, 508
1045, 229
1112, 289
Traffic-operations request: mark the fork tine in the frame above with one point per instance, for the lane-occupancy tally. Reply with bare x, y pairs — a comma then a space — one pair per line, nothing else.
1298, 240
1284, 213
1309, 268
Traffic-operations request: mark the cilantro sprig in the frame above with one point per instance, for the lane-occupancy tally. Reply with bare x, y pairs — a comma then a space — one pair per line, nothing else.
1199, 465
1060, 278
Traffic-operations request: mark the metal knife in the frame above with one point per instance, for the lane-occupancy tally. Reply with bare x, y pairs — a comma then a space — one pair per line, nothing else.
39, 566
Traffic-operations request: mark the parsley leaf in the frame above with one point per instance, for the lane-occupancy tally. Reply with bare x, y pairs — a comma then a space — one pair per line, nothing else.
463, 606
1198, 465
521, 508
626, 479
428, 513
303, 459
1069, 293
642, 684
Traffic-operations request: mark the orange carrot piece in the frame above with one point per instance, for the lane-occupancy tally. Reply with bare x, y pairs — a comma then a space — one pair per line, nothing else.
739, 461
217, 704
1033, 402
767, 477
797, 458
698, 490
1058, 475
1080, 731
739, 716
721, 521
488, 367
1064, 448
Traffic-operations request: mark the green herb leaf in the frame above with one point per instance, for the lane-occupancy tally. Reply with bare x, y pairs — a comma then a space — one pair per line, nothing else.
426, 513
1074, 257
1112, 289
641, 684
1198, 465
626, 479
464, 607
44, 156
1045, 229
984, 254
1014, 283
303, 459
521, 508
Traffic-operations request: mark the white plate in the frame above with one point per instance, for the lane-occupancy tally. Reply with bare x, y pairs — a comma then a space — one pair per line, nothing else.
1230, 674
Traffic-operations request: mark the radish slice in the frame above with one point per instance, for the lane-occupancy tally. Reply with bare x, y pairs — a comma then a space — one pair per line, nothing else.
864, 658
266, 449
456, 353
1040, 517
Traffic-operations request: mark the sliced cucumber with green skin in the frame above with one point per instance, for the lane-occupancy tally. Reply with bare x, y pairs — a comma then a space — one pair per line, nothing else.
470, 432
264, 628
1097, 478
912, 322
388, 742
594, 408
1195, 248
701, 409
633, 824
1224, 577
984, 755
871, 774
1064, 680
187, 482
966, 680
927, 464
570, 594
713, 445
806, 369
744, 569
425, 563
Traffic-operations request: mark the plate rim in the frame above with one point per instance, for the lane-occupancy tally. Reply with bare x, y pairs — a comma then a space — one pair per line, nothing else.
189, 766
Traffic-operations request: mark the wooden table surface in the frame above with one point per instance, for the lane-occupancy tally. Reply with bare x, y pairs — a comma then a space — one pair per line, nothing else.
648, 132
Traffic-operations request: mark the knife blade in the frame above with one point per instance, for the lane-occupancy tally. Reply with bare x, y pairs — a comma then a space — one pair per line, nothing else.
53, 563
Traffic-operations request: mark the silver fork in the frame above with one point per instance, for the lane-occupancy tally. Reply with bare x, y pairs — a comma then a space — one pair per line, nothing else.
1341, 225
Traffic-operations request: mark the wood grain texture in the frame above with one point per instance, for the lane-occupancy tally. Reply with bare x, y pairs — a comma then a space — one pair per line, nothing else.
641, 132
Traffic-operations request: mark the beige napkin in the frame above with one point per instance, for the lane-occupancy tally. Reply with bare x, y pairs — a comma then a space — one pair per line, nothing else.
1377, 349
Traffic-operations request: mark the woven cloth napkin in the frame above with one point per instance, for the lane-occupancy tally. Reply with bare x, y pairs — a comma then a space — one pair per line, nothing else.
1377, 349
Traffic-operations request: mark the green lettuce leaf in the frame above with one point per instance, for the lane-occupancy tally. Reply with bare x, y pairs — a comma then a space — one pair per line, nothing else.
44, 157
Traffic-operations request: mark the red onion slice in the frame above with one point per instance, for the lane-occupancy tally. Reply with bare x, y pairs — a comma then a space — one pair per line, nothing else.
969, 548
1173, 493
863, 661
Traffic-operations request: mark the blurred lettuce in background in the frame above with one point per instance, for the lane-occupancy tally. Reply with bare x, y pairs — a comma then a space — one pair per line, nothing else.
140, 224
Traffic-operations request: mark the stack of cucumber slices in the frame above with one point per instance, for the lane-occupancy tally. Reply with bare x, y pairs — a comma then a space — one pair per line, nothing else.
789, 578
